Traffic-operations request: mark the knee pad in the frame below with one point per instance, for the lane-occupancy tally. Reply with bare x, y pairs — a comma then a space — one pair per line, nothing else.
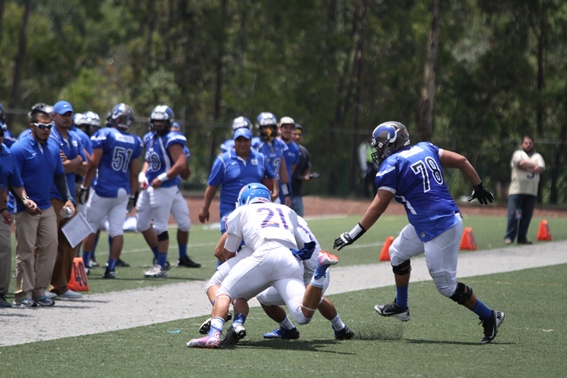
163, 236
402, 269
462, 294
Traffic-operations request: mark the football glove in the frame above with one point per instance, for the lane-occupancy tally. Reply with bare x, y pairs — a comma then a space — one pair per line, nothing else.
304, 253
482, 194
131, 203
83, 195
347, 238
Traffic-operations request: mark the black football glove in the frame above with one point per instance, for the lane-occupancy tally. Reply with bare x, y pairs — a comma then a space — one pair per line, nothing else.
304, 253
342, 241
83, 195
347, 238
131, 203
482, 194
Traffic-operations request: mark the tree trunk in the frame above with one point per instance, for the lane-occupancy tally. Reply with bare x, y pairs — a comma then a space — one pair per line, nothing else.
359, 94
19, 61
430, 70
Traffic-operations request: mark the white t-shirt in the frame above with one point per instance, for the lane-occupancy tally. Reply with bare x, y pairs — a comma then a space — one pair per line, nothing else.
522, 181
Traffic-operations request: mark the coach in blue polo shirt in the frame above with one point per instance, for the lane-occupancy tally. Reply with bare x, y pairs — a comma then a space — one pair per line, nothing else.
38, 159
75, 165
232, 170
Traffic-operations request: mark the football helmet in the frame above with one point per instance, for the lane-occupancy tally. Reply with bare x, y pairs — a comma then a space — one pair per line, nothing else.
121, 116
162, 113
267, 125
93, 119
387, 138
253, 193
3, 127
79, 119
41, 107
240, 122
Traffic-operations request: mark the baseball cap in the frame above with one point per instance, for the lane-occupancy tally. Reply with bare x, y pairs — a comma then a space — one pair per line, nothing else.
287, 121
242, 132
62, 107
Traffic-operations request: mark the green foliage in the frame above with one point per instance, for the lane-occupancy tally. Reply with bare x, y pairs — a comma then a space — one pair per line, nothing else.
337, 74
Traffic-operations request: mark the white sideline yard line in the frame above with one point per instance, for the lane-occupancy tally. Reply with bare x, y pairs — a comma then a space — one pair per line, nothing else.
134, 308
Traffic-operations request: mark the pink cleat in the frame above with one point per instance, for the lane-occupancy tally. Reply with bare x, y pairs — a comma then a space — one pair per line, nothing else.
206, 342
325, 259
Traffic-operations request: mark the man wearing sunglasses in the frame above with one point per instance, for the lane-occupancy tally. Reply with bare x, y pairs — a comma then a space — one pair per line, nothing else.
75, 164
38, 159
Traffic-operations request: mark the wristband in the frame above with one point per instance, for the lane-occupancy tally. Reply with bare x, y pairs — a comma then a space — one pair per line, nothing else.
163, 177
25, 198
83, 188
285, 189
356, 232
142, 177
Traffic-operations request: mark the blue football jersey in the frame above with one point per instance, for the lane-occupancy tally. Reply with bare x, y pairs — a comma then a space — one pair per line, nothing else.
119, 148
273, 153
158, 157
415, 176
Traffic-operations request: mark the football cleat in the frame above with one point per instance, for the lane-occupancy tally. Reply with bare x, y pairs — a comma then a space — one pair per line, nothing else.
325, 259
283, 333
392, 309
491, 326
206, 342
233, 336
156, 272
344, 334
109, 274
206, 325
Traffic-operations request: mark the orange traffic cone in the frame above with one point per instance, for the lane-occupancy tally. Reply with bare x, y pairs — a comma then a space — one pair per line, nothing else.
543, 233
385, 254
78, 280
467, 241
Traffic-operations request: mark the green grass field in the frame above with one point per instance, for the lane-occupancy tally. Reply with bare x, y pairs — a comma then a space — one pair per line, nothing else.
441, 340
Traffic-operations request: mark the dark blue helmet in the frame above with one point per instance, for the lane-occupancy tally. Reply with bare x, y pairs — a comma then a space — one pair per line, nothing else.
387, 138
121, 116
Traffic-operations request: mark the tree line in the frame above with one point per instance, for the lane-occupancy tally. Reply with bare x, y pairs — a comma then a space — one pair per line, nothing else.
469, 75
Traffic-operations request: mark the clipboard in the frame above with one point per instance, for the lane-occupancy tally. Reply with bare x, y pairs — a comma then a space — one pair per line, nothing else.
76, 230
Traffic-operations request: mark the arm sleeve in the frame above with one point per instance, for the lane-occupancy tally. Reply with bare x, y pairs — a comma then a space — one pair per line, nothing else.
63, 188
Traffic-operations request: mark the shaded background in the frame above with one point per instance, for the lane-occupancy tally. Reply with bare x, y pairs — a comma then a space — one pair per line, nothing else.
469, 75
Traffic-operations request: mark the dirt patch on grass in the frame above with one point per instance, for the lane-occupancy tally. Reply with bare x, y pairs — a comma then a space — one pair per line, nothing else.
318, 206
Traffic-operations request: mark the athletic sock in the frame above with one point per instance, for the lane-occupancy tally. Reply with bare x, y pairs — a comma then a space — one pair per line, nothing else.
217, 325
111, 264
239, 319
338, 323
155, 252
286, 323
87, 259
402, 296
182, 250
482, 310
162, 259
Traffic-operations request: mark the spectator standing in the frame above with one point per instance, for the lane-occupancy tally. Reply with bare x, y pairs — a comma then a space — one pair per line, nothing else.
231, 171
75, 164
273, 149
301, 174
527, 166
38, 160
368, 168
115, 164
291, 155
9, 179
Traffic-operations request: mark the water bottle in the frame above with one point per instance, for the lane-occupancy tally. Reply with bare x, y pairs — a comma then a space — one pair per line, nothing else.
66, 212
